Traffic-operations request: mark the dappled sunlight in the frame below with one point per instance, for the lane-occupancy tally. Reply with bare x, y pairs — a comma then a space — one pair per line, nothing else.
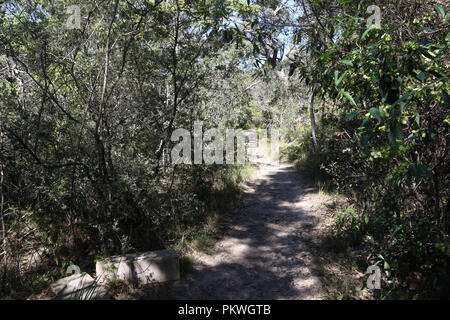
263, 253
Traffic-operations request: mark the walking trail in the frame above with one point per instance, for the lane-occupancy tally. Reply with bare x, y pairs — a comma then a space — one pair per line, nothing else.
263, 250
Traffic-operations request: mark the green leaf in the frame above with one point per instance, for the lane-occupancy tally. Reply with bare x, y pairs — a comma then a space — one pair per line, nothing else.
397, 133
417, 118
338, 81
382, 113
344, 1
439, 10
375, 112
348, 96
421, 76
365, 34
347, 62
427, 54
366, 218
402, 98
326, 55
351, 115
365, 121
397, 229
365, 140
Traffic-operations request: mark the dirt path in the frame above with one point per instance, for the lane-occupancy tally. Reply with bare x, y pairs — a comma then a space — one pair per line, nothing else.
263, 251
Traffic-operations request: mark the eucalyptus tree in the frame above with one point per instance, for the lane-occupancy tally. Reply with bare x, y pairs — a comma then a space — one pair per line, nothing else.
287, 38
390, 90
90, 96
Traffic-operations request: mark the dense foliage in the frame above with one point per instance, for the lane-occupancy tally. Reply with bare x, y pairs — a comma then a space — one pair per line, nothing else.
86, 116
86, 120
385, 139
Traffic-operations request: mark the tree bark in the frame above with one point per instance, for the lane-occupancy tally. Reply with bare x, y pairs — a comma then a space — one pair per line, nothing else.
313, 121
2, 217
176, 89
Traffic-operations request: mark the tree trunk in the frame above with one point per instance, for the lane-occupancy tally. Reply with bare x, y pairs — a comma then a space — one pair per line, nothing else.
313, 121
2, 217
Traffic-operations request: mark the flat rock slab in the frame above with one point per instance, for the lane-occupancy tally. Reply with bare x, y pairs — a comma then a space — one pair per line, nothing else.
143, 268
80, 286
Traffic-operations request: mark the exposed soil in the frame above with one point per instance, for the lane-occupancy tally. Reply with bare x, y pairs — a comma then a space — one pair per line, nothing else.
263, 251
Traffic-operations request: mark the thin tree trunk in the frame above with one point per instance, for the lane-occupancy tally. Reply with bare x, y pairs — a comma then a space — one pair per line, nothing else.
322, 114
313, 121
174, 70
2, 216
99, 128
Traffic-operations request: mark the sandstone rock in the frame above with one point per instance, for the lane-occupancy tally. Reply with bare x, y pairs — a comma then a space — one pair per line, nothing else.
79, 286
143, 268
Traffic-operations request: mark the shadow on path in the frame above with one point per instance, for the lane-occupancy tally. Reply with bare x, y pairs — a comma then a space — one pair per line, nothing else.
262, 252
